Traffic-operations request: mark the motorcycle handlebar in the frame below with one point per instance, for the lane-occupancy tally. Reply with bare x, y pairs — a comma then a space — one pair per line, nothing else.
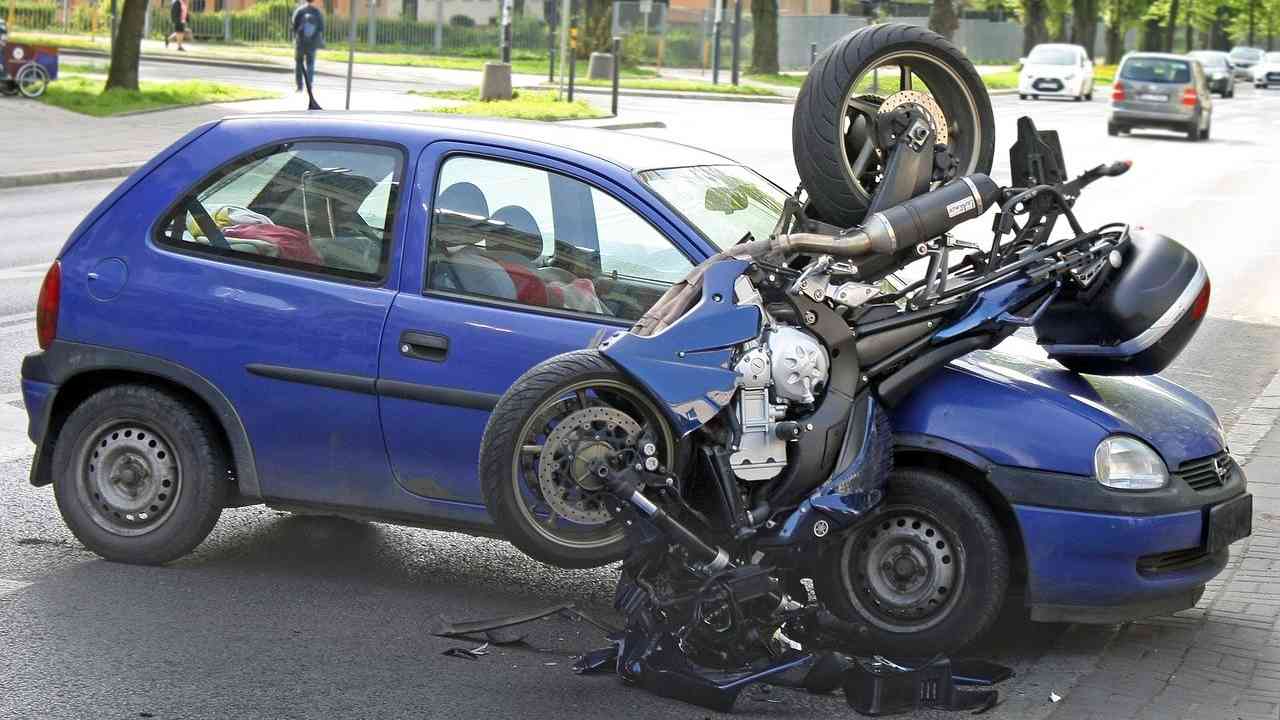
904, 225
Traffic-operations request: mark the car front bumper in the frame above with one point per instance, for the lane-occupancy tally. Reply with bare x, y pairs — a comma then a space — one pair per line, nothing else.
1102, 556
1051, 87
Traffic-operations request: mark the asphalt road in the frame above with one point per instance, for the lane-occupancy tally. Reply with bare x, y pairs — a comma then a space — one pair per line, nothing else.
278, 616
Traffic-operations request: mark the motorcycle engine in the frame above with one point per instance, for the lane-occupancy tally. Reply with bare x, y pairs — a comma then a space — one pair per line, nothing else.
784, 368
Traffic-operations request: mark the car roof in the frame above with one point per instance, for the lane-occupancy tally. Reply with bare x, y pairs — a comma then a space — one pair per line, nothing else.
639, 152
1159, 55
1069, 46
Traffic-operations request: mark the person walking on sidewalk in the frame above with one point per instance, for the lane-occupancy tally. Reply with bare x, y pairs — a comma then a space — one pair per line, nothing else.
178, 14
308, 36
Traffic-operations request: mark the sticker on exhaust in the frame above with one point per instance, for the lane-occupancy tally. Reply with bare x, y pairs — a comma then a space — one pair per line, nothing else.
960, 207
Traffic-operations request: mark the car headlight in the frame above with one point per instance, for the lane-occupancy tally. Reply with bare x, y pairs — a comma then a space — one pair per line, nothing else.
1125, 463
1069, 77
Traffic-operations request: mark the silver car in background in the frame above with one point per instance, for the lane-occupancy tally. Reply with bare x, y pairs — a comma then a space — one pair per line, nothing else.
1218, 70
1159, 90
1267, 72
1243, 58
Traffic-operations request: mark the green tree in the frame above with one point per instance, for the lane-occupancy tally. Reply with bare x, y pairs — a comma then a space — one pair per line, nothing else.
1034, 30
764, 43
1084, 24
597, 31
126, 48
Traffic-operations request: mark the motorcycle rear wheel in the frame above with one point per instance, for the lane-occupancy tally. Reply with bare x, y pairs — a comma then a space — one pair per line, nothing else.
831, 126
520, 429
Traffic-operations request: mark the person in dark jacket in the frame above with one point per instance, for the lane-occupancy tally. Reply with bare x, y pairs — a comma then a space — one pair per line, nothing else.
178, 14
308, 36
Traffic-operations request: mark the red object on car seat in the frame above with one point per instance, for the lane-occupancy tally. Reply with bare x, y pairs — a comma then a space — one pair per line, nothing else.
292, 244
530, 289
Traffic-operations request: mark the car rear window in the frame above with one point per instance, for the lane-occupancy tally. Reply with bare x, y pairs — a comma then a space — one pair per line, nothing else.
1156, 70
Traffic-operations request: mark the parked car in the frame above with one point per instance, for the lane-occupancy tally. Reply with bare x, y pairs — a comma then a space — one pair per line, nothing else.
318, 312
1243, 59
1158, 90
1218, 70
1267, 72
1056, 70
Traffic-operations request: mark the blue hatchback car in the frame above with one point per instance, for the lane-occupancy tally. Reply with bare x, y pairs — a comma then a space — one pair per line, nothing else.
272, 311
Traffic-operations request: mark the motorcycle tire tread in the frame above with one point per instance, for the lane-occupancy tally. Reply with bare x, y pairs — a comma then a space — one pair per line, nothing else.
498, 444
815, 136
987, 567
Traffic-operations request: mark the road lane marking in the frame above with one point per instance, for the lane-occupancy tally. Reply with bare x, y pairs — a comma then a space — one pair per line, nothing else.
11, 586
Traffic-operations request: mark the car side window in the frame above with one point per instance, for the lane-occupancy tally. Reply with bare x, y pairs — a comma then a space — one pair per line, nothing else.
324, 207
512, 232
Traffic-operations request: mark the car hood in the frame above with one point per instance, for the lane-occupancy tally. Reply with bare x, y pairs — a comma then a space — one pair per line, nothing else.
1172, 419
1054, 71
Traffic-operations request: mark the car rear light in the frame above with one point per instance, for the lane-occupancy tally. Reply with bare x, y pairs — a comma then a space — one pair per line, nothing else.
1189, 97
1117, 92
1201, 305
47, 306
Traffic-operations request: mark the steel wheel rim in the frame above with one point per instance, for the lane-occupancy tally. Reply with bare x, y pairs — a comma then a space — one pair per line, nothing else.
524, 476
955, 94
130, 480
905, 571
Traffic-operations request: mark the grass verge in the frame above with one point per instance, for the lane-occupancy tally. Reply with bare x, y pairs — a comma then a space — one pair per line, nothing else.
85, 95
524, 105
677, 85
782, 79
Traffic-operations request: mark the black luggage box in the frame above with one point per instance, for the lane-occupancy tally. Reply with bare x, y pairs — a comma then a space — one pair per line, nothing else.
1144, 314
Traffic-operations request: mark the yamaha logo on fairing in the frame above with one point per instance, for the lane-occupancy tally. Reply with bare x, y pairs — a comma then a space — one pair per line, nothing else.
821, 528
960, 207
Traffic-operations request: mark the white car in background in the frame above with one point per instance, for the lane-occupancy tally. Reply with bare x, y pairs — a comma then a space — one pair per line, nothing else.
1267, 72
1056, 70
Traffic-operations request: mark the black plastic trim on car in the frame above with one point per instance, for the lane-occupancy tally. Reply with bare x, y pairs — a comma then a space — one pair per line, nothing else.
438, 395
64, 360
1114, 614
323, 378
370, 386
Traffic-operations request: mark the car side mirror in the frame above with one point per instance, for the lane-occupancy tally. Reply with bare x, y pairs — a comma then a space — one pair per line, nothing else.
724, 200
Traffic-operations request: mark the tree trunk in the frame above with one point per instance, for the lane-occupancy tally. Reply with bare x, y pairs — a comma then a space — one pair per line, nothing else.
598, 28
1115, 43
764, 43
943, 18
1172, 26
127, 47
1084, 24
1033, 25
1152, 39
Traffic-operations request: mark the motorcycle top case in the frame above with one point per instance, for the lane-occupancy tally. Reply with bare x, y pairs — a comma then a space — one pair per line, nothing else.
1142, 316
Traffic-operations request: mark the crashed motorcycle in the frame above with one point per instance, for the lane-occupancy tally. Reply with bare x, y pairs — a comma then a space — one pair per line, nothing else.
733, 448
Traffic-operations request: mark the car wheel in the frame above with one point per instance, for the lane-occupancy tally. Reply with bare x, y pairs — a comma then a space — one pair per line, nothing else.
1230, 93
1077, 98
140, 475
1022, 96
1113, 129
1088, 97
1193, 131
928, 574
1035, 97
1204, 134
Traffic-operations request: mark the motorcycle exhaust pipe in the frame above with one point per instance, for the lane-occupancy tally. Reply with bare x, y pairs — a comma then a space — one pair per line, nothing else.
712, 559
904, 225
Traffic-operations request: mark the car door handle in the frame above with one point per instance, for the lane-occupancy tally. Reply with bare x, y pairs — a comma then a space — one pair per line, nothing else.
424, 345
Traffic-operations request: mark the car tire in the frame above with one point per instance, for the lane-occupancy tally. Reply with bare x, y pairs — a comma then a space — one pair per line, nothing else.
1077, 98
1230, 93
1088, 97
1035, 97
1113, 129
140, 474
513, 417
1022, 96
1193, 131
926, 520
1204, 134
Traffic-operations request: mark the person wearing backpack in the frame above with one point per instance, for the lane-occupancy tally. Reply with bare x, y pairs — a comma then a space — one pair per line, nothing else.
308, 36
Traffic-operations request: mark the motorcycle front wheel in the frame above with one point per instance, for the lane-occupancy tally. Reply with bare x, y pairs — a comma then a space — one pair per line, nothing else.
833, 125
555, 424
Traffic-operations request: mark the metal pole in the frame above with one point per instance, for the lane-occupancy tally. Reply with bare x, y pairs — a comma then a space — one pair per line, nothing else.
505, 47
373, 28
66, 15
617, 71
551, 49
715, 43
737, 39
572, 58
437, 39
226, 23
351, 47
566, 10
813, 53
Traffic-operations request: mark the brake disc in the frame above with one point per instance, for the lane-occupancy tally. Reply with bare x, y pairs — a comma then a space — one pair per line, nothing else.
925, 103
580, 443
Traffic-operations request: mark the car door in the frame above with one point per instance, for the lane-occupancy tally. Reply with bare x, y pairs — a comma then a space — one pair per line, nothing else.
511, 258
273, 278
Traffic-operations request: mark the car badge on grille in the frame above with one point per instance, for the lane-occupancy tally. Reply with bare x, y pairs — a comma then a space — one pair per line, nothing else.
1222, 465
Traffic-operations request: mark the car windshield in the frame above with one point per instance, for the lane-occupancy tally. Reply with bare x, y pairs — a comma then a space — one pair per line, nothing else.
1246, 54
723, 202
1211, 60
1156, 70
1052, 56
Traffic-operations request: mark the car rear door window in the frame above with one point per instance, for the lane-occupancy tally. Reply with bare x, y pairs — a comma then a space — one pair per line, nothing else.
322, 207
516, 233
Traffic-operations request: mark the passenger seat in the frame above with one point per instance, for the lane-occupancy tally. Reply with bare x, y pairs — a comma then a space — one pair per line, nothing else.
465, 268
